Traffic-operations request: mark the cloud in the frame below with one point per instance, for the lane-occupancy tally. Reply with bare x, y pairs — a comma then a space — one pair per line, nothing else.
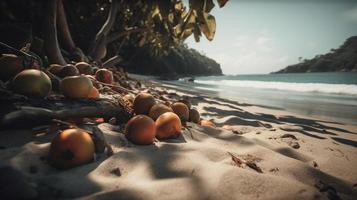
251, 52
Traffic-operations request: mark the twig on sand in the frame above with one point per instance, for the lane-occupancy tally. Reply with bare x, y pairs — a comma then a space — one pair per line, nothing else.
240, 163
254, 166
236, 160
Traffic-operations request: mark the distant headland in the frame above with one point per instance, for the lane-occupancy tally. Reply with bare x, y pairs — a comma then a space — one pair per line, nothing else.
343, 59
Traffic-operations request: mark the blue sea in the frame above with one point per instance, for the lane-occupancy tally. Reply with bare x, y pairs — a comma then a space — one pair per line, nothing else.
331, 96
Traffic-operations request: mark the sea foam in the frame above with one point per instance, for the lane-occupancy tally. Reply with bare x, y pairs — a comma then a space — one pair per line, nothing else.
297, 87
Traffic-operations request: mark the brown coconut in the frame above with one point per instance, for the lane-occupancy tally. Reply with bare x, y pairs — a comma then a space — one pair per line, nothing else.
32, 82
194, 116
68, 70
143, 103
181, 110
55, 68
158, 109
10, 65
104, 76
84, 68
76, 86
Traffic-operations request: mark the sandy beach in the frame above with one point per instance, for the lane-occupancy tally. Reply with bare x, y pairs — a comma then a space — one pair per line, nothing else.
253, 153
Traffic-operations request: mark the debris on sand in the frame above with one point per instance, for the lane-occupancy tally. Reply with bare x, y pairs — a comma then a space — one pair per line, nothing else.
246, 160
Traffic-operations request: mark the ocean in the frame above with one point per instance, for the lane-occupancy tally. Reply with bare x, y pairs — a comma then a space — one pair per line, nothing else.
329, 96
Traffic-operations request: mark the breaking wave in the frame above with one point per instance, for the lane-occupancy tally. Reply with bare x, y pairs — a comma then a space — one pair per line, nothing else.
349, 89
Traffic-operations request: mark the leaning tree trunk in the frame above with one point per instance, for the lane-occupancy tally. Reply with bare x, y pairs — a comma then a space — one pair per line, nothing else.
65, 35
99, 48
52, 48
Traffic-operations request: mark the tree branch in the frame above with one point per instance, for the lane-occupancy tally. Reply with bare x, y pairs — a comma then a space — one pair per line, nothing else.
117, 35
112, 61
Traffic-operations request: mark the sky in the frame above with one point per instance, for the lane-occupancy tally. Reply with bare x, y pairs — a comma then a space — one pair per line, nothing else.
262, 36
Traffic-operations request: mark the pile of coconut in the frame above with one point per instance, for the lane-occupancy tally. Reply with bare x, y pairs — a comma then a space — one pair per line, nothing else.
153, 118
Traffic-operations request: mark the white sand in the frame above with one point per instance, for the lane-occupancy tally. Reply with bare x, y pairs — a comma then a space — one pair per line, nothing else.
200, 167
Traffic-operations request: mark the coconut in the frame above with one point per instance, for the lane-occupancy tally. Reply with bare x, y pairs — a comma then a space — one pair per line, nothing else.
181, 110
143, 103
140, 130
71, 148
194, 116
94, 94
76, 86
168, 125
10, 65
84, 68
68, 70
104, 76
32, 82
55, 69
158, 109
186, 102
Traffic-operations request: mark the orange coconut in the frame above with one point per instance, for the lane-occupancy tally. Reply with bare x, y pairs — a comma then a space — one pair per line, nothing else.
143, 103
94, 94
71, 148
140, 130
168, 125
32, 82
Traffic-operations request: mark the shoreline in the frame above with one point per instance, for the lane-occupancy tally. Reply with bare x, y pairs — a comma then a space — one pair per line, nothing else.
253, 153
328, 107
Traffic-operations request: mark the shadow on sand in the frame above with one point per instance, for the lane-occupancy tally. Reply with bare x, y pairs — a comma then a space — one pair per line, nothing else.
309, 127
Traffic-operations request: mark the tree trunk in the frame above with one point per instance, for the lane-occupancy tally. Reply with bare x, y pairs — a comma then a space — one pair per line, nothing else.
52, 48
66, 37
63, 29
99, 48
